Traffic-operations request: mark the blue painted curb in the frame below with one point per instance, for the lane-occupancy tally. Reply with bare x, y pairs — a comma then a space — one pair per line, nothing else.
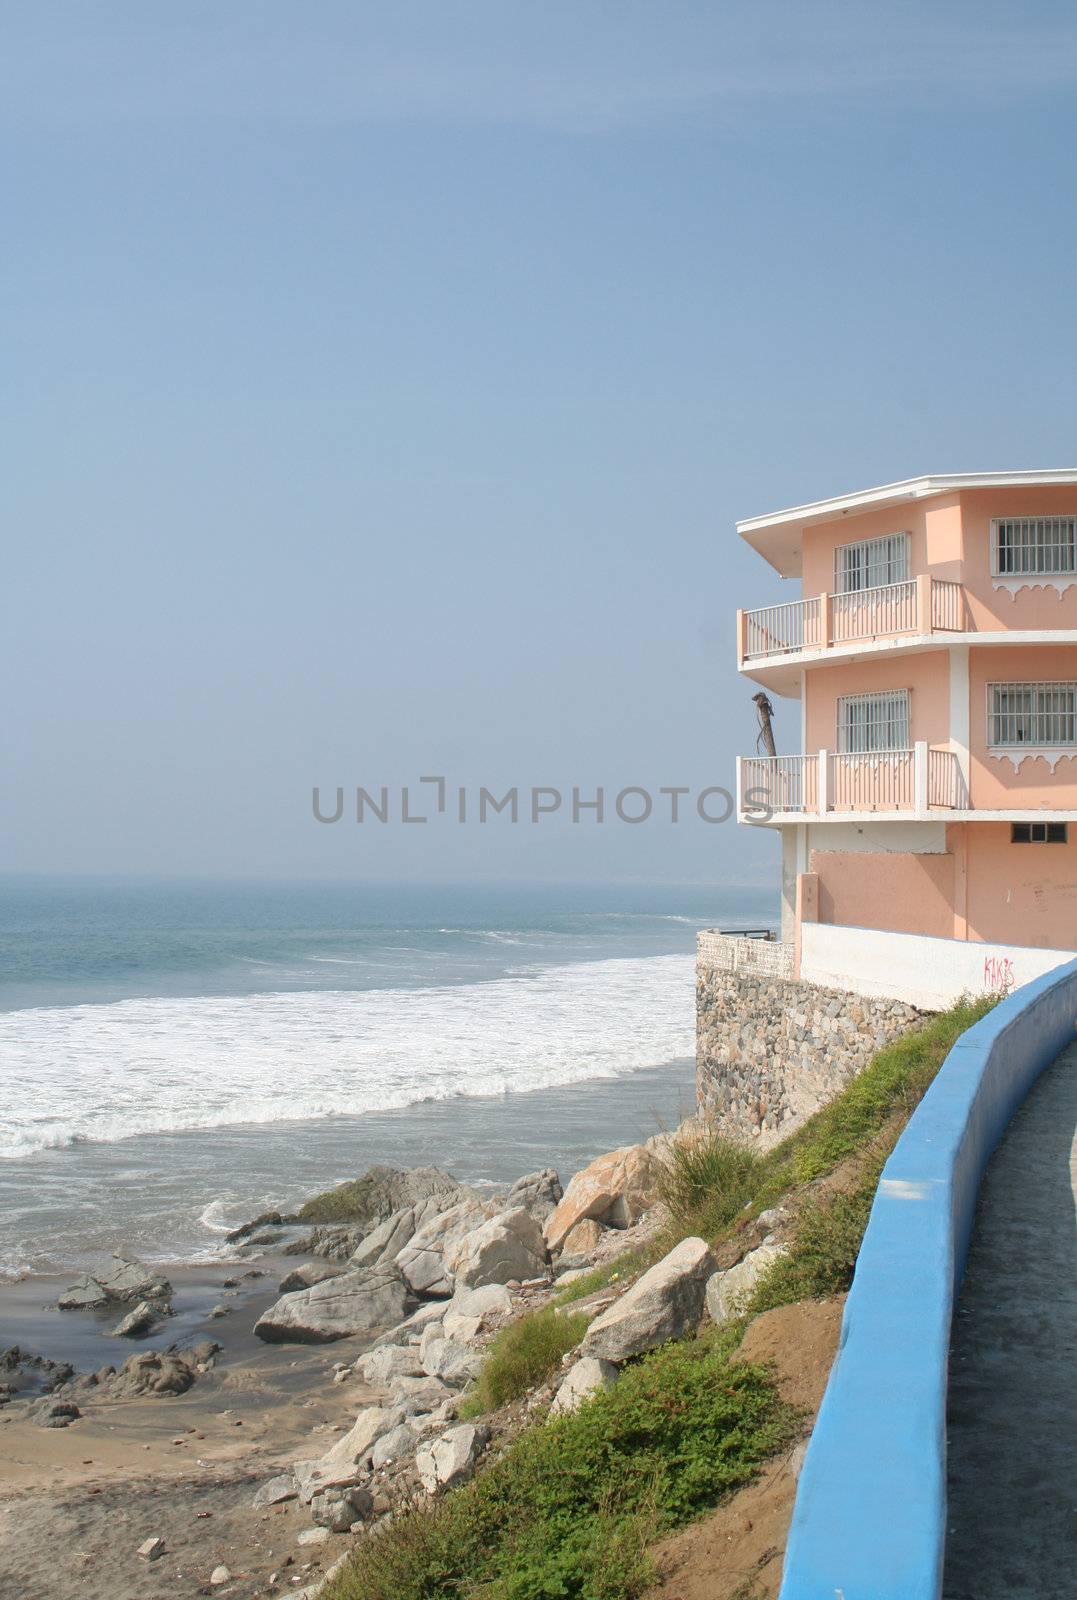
870, 1516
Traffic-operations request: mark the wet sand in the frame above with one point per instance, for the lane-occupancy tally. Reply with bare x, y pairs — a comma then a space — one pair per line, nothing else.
76, 1502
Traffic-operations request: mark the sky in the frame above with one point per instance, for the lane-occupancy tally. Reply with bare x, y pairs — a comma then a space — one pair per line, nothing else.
381, 386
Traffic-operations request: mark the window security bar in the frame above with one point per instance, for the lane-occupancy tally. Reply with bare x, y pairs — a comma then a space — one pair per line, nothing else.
870, 723
871, 563
1034, 545
1041, 715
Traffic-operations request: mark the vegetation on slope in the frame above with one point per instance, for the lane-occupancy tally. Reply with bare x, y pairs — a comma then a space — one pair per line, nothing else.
569, 1510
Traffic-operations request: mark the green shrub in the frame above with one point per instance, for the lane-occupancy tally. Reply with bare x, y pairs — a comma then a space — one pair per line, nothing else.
705, 1184
520, 1356
823, 1252
569, 1509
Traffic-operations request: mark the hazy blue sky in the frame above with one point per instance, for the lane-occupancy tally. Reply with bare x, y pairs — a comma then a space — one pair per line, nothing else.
381, 384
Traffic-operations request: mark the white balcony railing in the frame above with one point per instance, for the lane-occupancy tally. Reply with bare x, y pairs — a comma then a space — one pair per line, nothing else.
778, 630
916, 780
881, 781
780, 783
945, 781
947, 606
919, 605
873, 613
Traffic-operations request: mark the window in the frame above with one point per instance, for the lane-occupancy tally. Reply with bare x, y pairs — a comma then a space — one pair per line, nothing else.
1039, 833
1022, 545
869, 722
871, 562
1043, 715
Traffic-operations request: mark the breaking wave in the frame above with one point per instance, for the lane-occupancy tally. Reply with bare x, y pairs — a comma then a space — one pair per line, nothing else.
102, 1073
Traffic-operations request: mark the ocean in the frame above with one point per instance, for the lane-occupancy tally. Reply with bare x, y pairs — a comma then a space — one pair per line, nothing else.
176, 1057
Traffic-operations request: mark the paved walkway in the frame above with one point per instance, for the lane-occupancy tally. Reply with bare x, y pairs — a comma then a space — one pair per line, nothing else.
1012, 1421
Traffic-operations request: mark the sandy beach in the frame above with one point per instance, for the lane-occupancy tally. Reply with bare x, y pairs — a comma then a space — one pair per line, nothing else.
76, 1503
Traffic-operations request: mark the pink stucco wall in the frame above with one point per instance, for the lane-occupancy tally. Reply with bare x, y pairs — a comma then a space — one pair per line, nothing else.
950, 538
926, 676
1021, 893
818, 545
897, 893
991, 609
984, 888
993, 782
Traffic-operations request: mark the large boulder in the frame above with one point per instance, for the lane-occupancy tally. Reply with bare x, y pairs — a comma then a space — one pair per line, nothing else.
728, 1293
55, 1414
455, 1364
584, 1378
470, 1311
385, 1242
665, 1303
450, 1459
616, 1188
123, 1279
379, 1367
275, 1491
364, 1202
399, 1441
137, 1322
349, 1459
538, 1193
308, 1274
153, 1372
423, 1259
582, 1238
354, 1302
411, 1328
507, 1248
411, 1396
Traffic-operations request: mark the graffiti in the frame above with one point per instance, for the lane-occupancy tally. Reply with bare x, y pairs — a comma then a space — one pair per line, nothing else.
999, 975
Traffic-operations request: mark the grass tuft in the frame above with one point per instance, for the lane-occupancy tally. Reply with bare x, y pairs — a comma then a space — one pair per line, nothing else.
521, 1356
704, 1185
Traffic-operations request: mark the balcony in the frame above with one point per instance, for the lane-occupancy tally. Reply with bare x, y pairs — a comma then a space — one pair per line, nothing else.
922, 605
915, 782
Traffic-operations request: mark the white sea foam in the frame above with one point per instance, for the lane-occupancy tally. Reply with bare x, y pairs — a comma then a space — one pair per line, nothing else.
106, 1072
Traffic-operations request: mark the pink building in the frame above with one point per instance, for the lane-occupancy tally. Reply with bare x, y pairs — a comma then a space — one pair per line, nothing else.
925, 687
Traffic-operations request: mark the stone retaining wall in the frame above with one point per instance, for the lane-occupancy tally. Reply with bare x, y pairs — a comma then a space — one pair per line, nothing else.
770, 1051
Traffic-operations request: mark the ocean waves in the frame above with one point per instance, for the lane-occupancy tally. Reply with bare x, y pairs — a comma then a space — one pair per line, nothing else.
106, 1072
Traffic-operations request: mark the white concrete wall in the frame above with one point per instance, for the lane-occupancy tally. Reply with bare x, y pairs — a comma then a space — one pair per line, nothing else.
929, 973
879, 838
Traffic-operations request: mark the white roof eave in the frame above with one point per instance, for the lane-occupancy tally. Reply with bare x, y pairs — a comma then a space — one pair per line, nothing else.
776, 536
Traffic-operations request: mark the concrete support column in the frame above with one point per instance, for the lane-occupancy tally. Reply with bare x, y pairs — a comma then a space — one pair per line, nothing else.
824, 783
960, 711
957, 836
919, 777
807, 909
923, 603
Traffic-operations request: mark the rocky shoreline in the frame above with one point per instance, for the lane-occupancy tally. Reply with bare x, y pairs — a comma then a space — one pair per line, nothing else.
405, 1276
